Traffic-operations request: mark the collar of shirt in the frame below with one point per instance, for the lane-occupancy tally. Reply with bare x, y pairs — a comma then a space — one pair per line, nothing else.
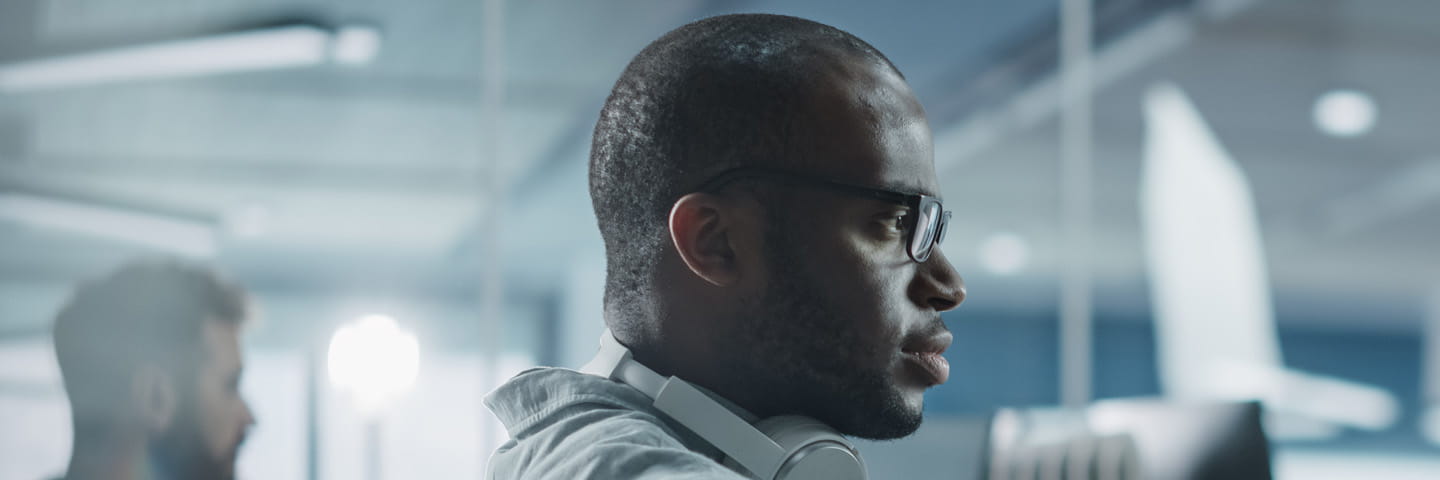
531, 399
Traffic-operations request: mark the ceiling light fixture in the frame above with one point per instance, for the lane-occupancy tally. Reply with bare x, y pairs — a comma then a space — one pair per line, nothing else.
263, 49
374, 359
355, 45
1345, 113
1004, 253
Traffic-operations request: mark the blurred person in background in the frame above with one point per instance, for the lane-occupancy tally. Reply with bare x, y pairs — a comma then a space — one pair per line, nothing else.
150, 357
766, 190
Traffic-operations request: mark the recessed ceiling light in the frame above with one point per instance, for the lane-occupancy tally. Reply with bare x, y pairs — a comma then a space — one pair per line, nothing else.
1345, 113
374, 359
1004, 253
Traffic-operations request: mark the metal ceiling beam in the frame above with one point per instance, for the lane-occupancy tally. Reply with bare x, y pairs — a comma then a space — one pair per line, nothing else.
1022, 89
1403, 193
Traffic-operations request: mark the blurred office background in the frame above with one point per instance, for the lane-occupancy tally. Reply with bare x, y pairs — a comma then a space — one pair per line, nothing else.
426, 161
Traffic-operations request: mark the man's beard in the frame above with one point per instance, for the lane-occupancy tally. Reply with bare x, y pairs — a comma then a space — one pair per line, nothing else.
810, 359
180, 453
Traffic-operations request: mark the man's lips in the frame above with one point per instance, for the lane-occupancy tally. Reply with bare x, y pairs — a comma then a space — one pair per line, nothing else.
927, 354
932, 363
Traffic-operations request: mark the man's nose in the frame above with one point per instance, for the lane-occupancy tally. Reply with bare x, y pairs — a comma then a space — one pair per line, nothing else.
939, 285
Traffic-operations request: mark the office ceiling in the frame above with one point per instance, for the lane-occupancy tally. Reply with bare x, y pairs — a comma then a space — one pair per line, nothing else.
379, 176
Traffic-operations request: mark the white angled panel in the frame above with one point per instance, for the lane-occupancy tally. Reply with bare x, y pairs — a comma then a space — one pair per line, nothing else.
1208, 280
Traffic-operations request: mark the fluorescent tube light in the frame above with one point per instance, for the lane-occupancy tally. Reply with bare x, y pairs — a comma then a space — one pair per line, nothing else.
186, 236
266, 49
355, 45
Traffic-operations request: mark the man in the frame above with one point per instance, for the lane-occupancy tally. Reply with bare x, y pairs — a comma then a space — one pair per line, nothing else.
765, 189
150, 356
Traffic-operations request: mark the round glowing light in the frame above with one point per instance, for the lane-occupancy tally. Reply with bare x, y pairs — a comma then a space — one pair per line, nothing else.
1345, 113
356, 45
374, 360
1004, 253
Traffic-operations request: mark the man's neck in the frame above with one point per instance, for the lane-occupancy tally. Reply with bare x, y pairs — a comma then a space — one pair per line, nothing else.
696, 364
110, 457
685, 348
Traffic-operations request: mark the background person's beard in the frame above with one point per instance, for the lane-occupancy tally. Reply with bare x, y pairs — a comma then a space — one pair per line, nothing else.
809, 358
180, 453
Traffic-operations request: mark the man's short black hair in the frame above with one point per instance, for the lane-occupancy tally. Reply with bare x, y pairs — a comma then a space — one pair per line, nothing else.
715, 94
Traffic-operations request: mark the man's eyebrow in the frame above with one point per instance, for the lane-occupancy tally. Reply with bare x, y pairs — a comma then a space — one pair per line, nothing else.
907, 188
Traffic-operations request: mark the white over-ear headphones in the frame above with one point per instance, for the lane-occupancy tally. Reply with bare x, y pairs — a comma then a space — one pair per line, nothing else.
789, 447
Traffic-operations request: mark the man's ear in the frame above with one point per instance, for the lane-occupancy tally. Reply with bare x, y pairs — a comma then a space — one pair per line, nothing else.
155, 397
704, 237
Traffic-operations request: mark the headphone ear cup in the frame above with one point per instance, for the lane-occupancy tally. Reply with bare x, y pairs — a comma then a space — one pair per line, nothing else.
813, 450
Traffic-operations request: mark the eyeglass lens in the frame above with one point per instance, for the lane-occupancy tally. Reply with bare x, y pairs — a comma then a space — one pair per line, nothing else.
926, 224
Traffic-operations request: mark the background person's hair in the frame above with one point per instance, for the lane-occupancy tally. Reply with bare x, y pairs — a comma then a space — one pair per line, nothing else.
149, 312
715, 94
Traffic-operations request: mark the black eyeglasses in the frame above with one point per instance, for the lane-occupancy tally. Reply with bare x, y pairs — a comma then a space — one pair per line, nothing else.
926, 222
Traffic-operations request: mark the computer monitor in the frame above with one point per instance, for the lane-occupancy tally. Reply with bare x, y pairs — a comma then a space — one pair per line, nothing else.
1189, 441
1126, 439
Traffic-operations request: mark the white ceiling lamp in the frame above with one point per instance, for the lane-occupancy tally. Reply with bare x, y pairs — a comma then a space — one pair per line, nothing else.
1345, 113
187, 236
374, 360
272, 48
1004, 253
